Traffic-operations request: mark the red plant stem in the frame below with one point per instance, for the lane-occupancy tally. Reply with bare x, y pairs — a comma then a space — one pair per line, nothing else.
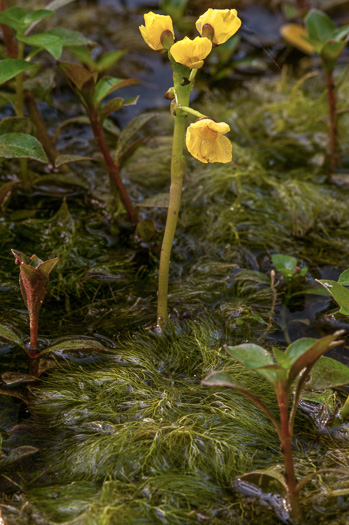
286, 448
9, 40
113, 169
332, 103
34, 323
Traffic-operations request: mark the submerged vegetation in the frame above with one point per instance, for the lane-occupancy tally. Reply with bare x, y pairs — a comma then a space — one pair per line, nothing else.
112, 424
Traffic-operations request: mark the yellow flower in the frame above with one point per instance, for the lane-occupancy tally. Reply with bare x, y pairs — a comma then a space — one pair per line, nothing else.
293, 34
155, 26
206, 142
191, 53
224, 22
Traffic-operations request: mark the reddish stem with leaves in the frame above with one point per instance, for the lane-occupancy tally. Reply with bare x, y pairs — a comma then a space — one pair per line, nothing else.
113, 169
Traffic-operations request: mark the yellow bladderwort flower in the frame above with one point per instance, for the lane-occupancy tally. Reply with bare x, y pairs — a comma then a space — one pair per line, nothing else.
218, 24
206, 142
191, 53
155, 26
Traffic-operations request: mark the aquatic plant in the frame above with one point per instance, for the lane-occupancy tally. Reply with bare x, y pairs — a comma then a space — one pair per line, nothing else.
33, 279
287, 372
204, 139
321, 35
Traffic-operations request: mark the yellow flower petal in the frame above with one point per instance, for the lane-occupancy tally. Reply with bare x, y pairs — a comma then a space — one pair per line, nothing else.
293, 34
191, 53
155, 25
206, 142
225, 23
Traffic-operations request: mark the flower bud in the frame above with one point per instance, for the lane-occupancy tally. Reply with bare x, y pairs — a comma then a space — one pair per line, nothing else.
208, 31
170, 94
167, 39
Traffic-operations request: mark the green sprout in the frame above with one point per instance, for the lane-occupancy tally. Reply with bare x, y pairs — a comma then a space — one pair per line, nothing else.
287, 372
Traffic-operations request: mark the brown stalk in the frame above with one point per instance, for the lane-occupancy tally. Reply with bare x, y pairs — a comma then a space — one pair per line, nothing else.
9, 40
332, 104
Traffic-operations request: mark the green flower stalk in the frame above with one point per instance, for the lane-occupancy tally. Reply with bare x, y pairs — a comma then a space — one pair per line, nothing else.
204, 139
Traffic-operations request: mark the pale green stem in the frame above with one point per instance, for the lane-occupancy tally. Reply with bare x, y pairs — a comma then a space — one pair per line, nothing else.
177, 172
191, 111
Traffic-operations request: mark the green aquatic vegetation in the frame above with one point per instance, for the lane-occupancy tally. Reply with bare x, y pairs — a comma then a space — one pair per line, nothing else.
287, 372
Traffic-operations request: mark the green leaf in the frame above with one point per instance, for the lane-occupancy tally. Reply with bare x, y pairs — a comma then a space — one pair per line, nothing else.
69, 37
57, 182
9, 335
46, 267
21, 146
11, 67
80, 77
250, 355
319, 26
327, 373
13, 17
285, 264
110, 107
331, 51
52, 44
297, 348
56, 4
270, 480
344, 278
130, 130
107, 60
308, 358
35, 16
107, 85
76, 345
18, 453
339, 293
67, 159
42, 84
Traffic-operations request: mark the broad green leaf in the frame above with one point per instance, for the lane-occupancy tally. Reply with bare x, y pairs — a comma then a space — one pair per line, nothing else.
319, 26
107, 60
52, 44
339, 293
11, 67
107, 85
284, 263
130, 130
294, 350
344, 278
327, 373
308, 358
37, 15
57, 182
15, 378
13, 17
9, 335
331, 51
250, 355
21, 146
69, 37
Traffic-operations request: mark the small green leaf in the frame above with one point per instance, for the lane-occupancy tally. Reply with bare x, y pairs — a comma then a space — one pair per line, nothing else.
344, 278
107, 85
67, 159
339, 293
250, 355
80, 78
13, 17
21, 146
270, 480
52, 44
11, 67
108, 60
312, 354
69, 37
285, 264
130, 130
297, 348
35, 16
76, 345
9, 335
17, 125
331, 51
110, 107
319, 26
46, 267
